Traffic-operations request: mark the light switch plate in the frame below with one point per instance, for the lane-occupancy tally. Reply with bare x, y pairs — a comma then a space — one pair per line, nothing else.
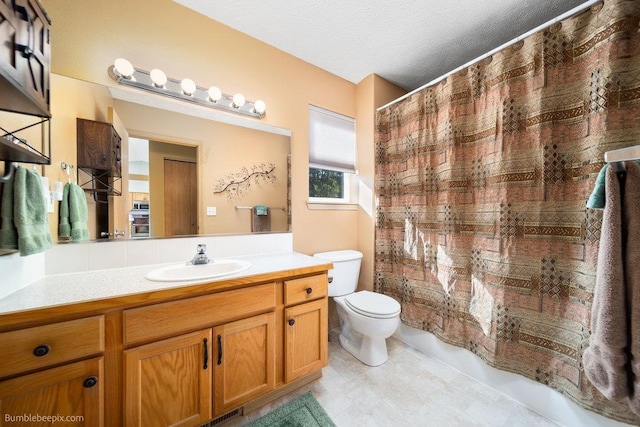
211, 210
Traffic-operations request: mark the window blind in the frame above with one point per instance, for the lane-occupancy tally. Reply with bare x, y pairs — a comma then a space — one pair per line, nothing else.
332, 141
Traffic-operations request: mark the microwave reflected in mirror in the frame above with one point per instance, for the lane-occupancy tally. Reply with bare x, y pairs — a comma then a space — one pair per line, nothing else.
139, 219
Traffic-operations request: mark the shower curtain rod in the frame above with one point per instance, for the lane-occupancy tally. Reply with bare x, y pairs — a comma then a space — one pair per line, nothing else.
565, 15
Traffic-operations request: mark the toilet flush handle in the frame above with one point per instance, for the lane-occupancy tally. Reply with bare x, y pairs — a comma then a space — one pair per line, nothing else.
330, 279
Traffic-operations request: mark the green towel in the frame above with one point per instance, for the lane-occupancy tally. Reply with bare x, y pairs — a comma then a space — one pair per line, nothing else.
73, 213
64, 227
8, 231
597, 197
261, 210
30, 212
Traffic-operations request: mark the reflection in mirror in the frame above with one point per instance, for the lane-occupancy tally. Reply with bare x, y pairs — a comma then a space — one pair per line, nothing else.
188, 156
172, 164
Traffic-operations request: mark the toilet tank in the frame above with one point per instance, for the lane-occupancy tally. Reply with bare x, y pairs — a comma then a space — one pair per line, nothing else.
345, 271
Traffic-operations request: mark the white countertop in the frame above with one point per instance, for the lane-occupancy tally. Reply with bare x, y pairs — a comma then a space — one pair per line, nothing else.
64, 289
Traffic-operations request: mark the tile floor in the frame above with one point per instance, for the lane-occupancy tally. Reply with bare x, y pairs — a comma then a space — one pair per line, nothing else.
410, 389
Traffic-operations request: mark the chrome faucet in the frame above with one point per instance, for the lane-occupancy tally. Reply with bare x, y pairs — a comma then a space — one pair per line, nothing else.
200, 257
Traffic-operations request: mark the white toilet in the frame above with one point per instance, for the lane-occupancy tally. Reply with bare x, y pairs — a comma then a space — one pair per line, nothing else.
367, 319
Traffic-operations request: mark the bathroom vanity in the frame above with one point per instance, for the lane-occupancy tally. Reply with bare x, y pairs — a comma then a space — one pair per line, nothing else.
117, 349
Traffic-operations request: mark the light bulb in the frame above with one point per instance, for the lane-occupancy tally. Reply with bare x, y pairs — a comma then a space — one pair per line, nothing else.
188, 86
158, 77
214, 94
123, 67
238, 100
259, 106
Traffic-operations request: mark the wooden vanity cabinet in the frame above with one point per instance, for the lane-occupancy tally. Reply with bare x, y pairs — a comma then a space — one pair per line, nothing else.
179, 357
168, 383
54, 370
244, 361
72, 394
306, 326
221, 367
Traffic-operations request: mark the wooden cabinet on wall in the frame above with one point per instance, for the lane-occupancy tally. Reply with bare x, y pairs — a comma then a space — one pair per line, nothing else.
99, 157
53, 370
25, 54
177, 360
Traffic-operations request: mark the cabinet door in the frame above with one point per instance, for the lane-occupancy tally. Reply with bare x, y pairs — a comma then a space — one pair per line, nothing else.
306, 339
98, 146
244, 361
34, 49
169, 382
71, 395
24, 57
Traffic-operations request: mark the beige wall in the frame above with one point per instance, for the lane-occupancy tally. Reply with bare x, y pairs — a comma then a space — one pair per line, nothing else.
372, 92
88, 35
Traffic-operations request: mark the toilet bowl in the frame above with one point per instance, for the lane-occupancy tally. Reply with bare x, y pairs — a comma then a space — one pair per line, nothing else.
367, 318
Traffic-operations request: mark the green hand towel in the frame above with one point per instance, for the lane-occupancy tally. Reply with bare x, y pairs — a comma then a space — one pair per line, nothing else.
261, 210
30, 212
78, 213
64, 227
598, 195
8, 232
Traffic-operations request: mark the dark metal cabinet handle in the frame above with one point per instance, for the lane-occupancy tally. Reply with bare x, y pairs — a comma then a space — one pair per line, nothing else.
309, 290
90, 381
292, 322
41, 350
206, 353
219, 349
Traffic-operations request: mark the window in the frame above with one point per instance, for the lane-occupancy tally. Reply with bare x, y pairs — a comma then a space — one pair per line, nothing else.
332, 152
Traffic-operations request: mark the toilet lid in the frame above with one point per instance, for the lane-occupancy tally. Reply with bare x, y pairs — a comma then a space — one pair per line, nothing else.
372, 304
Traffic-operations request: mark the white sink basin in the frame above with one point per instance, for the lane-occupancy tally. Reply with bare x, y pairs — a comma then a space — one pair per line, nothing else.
180, 272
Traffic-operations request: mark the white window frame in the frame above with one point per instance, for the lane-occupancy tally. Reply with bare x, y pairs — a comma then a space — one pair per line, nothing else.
346, 201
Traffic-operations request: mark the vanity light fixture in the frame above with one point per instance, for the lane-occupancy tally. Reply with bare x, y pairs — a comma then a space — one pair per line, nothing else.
188, 87
158, 77
156, 81
124, 68
238, 100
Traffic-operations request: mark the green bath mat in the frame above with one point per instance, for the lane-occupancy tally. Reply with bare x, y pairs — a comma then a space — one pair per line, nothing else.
303, 411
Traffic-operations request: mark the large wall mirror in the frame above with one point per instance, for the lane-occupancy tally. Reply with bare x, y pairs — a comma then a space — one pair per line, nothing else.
182, 174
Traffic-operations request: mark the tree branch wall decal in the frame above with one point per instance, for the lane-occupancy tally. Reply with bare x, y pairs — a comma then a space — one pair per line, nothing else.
237, 183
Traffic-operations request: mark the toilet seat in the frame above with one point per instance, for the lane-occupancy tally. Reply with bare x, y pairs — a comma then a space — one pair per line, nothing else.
372, 304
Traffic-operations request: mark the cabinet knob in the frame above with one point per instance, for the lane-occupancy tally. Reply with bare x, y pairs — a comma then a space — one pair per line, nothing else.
292, 322
90, 381
309, 290
41, 350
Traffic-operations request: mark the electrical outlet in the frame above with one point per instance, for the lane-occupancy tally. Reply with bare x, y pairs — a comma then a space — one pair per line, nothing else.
211, 211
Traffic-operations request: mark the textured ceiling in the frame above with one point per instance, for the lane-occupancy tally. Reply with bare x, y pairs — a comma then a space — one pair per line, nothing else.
408, 42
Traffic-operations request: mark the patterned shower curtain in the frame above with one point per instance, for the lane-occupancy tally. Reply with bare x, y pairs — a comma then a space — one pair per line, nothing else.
482, 231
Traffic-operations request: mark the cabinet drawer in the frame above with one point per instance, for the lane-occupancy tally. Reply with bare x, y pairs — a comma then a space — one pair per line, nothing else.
27, 349
305, 289
170, 318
